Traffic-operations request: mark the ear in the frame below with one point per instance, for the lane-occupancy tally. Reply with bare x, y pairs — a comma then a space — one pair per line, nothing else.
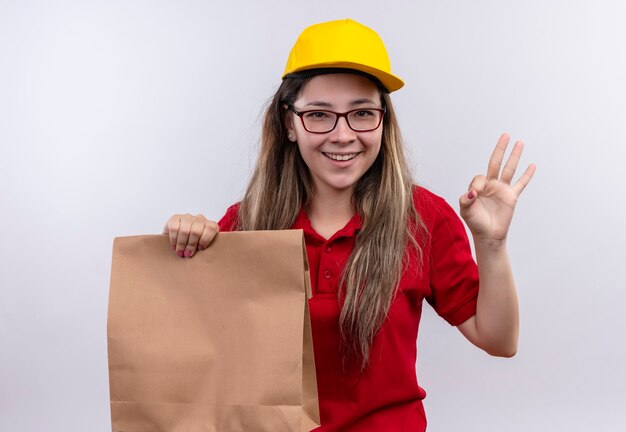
291, 132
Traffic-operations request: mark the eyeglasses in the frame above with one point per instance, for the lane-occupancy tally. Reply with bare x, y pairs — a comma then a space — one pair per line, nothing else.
324, 121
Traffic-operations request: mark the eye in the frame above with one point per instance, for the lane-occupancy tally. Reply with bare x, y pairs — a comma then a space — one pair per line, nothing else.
364, 113
316, 115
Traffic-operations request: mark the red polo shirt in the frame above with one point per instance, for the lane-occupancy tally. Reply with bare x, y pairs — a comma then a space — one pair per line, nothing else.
387, 396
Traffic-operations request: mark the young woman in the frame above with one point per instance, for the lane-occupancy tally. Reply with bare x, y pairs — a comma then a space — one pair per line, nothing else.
331, 163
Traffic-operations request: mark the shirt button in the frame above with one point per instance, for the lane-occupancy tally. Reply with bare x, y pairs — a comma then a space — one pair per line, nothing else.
328, 248
327, 274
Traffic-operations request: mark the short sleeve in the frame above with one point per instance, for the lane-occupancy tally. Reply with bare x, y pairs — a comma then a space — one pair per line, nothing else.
228, 222
453, 271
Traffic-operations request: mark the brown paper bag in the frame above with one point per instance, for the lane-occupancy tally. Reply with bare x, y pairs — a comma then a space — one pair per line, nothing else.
218, 342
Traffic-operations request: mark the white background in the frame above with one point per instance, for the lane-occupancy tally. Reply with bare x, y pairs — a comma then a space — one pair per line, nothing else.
116, 114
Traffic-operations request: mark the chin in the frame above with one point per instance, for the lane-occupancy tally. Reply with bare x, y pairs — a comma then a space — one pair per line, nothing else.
342, 185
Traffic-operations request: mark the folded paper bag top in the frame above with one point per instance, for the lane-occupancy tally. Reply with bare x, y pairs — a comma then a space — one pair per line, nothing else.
218, 342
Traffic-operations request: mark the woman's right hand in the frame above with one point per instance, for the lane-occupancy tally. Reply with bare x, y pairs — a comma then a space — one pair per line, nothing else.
189, 233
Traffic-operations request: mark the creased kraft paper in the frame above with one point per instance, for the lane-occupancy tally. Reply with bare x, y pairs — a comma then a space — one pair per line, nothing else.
217, 342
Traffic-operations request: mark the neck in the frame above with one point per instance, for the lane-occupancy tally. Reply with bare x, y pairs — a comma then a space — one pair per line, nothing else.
330, 210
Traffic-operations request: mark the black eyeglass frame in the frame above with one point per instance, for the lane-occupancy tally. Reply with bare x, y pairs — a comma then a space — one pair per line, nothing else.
382, 112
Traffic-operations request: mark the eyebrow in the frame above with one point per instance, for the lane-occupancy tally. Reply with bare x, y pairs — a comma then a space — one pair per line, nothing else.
329, 105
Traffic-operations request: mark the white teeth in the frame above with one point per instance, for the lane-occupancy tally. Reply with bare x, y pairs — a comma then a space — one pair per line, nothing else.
341, 157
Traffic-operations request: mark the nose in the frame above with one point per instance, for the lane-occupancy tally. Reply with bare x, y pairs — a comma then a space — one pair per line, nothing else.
342, 134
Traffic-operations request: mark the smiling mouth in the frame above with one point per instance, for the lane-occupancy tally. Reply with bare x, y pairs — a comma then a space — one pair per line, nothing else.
339, 157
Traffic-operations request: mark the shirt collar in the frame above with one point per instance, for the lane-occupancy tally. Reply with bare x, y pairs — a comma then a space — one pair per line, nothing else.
350, 229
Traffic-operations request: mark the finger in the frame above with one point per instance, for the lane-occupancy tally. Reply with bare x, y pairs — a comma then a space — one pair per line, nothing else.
467, 199
477, 184
171, 227
511, 164
195, 231
208, 234
493, 169
198, 227
183, 235
525, 179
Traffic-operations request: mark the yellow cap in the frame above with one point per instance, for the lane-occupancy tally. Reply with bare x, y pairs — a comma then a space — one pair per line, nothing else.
344, 44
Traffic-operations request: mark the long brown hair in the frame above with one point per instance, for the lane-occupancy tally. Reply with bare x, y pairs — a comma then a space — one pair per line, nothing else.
382, 196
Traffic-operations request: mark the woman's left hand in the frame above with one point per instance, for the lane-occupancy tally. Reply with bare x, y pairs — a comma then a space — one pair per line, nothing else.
488, 206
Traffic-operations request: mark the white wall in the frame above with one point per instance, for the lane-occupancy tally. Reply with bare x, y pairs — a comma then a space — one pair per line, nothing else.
116, 114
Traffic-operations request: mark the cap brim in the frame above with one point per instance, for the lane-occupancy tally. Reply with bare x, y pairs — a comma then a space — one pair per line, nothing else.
390, 81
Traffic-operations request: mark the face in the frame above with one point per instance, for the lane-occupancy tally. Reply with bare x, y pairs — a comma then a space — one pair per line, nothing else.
339, 158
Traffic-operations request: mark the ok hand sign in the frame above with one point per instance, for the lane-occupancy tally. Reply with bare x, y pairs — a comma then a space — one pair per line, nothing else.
488, 206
